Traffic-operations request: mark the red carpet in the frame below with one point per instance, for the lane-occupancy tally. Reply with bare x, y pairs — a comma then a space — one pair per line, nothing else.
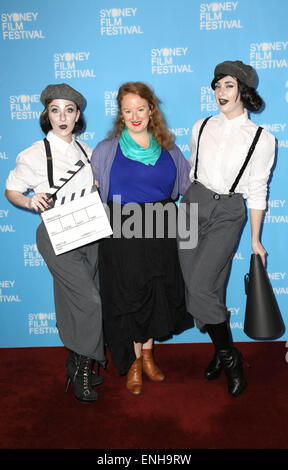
183, 412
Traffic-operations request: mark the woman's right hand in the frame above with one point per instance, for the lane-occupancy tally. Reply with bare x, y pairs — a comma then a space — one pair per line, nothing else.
39, 202
258, 249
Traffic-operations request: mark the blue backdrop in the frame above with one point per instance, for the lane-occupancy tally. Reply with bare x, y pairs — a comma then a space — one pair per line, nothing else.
95, 46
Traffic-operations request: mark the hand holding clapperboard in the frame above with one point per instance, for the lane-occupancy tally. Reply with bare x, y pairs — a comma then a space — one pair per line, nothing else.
75, 220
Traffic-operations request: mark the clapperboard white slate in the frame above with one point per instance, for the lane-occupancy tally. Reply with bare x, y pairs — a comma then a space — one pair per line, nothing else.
76, 220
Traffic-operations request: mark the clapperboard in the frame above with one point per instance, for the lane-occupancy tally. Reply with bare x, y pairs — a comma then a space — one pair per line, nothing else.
76, 219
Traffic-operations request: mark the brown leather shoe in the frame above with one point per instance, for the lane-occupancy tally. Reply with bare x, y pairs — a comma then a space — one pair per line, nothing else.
134, 377
150, 368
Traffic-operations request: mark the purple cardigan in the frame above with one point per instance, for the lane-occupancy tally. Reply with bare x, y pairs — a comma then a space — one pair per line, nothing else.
103, 156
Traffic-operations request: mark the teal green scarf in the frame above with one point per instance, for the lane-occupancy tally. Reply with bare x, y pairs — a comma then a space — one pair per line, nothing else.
135, 152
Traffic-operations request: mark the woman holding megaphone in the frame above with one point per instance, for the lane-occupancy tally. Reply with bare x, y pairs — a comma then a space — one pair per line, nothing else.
231, 160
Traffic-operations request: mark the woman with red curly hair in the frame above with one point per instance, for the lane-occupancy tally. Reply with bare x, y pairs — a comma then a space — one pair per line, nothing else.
141, 284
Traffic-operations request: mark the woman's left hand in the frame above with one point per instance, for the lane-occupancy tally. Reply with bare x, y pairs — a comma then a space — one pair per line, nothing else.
258, 249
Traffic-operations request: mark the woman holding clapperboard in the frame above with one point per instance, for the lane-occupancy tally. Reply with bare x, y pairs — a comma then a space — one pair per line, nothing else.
77, 300
231, 159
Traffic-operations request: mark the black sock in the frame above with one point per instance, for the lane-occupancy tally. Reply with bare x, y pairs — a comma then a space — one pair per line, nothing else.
220, 335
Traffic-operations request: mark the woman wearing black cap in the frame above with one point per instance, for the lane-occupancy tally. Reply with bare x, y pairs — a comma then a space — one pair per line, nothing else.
76, 295
231, 161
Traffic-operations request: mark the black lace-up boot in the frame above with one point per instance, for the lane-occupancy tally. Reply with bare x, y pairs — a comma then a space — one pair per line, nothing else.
81, 380
71, 365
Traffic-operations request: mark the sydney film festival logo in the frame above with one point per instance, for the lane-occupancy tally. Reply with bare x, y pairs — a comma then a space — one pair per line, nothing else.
7, 292
219, 16
24, 106
170, 60
72, 65
119, 22
42, 324
208, 103
31, 256
20, 25
4, 218
269, 55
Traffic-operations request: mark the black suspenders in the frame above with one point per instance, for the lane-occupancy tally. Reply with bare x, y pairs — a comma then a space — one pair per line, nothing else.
249, 155
50, 165
80, 146
49, 162
197, 152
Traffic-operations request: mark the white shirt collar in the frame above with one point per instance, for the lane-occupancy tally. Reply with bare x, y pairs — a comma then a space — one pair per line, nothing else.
61, 144
237, 122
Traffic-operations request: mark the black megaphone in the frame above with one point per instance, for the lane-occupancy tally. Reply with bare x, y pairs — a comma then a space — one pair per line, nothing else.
263, 319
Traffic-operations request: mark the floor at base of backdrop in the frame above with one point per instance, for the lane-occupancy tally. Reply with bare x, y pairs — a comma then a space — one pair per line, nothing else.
183, 412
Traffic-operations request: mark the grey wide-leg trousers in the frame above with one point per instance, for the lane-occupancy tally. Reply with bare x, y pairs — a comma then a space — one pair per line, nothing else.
76, 296
206, 267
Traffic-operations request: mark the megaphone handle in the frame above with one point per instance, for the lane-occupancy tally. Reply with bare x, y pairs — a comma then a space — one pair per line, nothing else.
246, 283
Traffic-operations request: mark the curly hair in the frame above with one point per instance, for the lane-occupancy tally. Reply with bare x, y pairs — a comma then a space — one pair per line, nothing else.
157, 124
45, 123
249, 96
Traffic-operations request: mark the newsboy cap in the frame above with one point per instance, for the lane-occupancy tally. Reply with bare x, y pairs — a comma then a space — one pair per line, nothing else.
245, 73
61, 91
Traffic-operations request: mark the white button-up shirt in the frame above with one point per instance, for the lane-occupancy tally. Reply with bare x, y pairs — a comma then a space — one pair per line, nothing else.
31, 167
224, 145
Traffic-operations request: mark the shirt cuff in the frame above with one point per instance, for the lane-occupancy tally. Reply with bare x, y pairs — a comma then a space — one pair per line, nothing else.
259, 205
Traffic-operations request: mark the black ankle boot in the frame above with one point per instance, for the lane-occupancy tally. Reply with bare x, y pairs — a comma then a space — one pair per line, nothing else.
214, 368
232, 366
81, 380
71, 365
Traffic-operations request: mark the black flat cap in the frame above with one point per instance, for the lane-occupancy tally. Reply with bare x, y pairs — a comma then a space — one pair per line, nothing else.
61, 91
245, 73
